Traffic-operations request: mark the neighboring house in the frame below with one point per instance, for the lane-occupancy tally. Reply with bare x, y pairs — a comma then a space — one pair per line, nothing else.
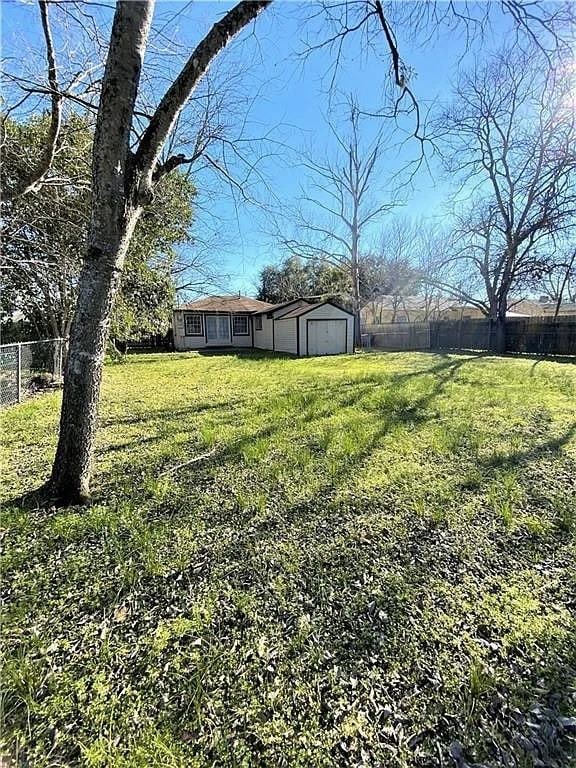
470, 312
391, 308
459, 311
544, 307
297, 327
412, 309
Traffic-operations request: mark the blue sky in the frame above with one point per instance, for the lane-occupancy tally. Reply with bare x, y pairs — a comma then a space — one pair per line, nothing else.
290, 105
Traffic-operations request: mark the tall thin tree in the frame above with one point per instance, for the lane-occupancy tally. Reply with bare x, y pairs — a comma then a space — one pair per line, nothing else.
341, 204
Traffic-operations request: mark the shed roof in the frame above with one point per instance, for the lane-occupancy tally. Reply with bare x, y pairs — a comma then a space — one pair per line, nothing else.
226, 304
298, 311
308, 308
273, 307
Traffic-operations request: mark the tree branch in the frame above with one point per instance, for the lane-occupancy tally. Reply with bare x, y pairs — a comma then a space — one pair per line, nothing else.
34, 179
177, 95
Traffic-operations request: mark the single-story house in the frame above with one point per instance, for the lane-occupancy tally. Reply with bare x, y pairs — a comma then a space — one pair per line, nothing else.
544, 307
297, 327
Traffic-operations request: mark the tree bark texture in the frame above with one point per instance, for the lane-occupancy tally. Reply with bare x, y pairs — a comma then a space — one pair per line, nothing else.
499, 336
112, 223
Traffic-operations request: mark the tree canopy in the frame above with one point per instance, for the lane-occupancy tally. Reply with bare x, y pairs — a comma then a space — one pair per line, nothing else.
45, 233
508, 137
295, 278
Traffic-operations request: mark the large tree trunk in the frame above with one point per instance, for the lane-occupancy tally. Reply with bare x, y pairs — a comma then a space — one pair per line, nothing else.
114, 215
497, 308
122, 183
498, 328
499, 335
83, 374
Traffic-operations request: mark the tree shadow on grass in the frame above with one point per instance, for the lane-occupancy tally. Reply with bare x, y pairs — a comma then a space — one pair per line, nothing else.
307, 410
318, 403
499, 705
520, 458
507, 704
164, 414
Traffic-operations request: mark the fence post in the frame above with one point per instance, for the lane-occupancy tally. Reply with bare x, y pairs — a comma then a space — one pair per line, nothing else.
19, 373
57, 360
55, 365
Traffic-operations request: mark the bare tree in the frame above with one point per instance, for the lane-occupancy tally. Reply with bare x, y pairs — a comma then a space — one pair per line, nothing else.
410, 254
510, 136
341, 204
388, 273
429, 248
35, 175
559, 283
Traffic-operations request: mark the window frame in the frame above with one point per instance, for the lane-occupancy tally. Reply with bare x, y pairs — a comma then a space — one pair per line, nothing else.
195, 315
258, 323
240, 317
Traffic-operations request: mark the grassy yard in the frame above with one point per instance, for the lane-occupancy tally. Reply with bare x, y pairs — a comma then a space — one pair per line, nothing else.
370, 563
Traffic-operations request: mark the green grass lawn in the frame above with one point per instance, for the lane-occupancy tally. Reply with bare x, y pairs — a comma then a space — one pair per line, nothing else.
371, 562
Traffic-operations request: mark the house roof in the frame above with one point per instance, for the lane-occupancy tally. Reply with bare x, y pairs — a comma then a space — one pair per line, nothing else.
226, 304
532, 307
298, 311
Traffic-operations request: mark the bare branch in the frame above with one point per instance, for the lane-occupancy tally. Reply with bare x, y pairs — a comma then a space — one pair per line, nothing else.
34, 179
173, 101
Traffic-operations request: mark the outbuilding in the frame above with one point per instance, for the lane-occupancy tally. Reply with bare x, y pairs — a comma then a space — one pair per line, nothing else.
297, 327
304, 329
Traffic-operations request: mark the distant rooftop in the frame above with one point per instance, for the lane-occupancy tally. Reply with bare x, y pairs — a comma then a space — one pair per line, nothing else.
393, 301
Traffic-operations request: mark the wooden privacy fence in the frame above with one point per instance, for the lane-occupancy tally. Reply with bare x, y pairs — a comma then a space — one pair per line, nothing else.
528, 335
397, 336
542, 335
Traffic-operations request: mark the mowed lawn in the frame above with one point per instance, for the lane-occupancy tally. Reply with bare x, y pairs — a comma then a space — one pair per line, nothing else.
354, 561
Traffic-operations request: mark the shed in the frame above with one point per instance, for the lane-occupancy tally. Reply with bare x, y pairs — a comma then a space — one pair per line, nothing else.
304, 329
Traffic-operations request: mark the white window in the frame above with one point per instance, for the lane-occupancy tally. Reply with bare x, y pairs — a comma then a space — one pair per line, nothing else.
258, 322
240, 325
193, 325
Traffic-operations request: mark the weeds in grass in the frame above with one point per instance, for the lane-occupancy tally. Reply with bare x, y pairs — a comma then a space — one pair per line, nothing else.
565, 512
481, 681
504, 496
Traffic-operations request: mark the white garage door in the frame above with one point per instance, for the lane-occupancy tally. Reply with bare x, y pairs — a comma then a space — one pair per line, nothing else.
326, 337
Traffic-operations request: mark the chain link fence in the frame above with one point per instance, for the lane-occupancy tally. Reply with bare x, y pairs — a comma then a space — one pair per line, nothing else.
30, 367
